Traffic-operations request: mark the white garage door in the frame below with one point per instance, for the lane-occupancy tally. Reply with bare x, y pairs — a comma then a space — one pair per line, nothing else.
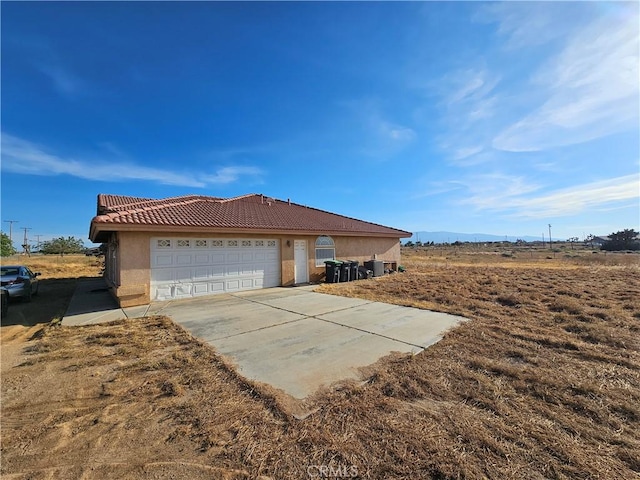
188, 267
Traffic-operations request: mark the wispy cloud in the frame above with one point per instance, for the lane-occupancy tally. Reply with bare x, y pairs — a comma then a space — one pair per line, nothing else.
64, 81
24, 157
592, 89
521, 23
514, 196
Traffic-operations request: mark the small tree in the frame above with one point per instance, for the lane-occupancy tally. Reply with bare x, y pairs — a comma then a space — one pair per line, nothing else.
62, 245
6, 247
623, 240
572, 241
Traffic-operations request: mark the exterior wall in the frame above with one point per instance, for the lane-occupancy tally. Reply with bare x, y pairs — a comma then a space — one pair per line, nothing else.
135, 263
134, 258
359, 249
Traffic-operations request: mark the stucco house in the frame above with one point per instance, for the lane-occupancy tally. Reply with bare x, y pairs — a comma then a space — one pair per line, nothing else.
179, 247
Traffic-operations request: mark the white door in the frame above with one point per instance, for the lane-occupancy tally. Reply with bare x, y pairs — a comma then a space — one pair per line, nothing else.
189, 267
301, 261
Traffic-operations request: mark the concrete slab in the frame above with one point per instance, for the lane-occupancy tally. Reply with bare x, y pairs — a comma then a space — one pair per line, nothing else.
292, 338
416, 327
301, 356
310, 303
92, 303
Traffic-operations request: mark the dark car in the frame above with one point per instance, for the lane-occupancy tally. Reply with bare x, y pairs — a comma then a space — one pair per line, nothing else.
5, 301
19, 281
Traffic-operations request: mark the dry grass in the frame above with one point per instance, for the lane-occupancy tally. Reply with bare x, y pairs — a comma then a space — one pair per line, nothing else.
55, 266
543, 382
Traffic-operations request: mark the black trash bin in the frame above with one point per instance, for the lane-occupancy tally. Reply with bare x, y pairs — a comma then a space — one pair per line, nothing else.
354, 270
345, 271
364, 273
332, 270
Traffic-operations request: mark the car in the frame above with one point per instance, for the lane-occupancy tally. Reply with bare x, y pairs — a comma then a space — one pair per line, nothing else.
5, 301
19, 281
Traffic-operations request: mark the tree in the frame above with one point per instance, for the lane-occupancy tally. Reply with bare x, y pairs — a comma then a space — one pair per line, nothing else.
62, 245
572, 241
6, 247
589, 239
623, 240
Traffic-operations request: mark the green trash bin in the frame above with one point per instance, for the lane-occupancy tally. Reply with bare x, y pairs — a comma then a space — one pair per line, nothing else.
332, 270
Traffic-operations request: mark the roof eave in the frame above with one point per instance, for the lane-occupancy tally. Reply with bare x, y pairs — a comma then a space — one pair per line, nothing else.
98, 228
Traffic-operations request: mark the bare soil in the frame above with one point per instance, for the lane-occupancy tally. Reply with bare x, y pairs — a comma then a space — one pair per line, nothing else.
542, 382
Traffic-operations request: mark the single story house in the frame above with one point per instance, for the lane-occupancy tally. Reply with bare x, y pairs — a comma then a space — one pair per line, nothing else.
198, 245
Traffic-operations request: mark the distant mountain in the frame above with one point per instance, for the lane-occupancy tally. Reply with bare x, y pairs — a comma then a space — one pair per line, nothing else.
450, 237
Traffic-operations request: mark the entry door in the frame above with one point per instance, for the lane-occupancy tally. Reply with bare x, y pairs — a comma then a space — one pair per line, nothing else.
301, 261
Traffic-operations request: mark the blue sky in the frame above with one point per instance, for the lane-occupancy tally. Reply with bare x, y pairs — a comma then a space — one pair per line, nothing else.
470, 117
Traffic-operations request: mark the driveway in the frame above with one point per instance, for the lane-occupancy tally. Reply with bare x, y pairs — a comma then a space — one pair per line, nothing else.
297, 340
291, 338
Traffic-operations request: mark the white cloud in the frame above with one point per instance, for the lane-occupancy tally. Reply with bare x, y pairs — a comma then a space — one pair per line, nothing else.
527, 24
570, 201
231, 174
592, 89
24, 157
511, 195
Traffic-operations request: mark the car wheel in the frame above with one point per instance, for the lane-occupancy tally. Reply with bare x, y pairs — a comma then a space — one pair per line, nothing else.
27, 295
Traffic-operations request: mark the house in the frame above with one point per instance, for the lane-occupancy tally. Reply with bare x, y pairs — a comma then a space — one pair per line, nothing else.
195, 245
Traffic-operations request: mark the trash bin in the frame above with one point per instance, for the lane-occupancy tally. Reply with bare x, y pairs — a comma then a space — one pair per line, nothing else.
354, 269
377, 266
332, 270
345, 271
364, 273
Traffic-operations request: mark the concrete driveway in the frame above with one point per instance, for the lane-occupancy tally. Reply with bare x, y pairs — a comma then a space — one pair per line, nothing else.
297, 340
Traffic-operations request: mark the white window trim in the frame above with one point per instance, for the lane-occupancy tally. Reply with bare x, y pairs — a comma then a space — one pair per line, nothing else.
322, 245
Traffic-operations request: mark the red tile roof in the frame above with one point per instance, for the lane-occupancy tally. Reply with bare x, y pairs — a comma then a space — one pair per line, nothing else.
248, 213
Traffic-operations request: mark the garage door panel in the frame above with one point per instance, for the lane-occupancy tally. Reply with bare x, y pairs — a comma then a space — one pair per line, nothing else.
201, 259
201, 273
183, 290
187, 267
183, 259
200, 288
218, 271
162, 260
163, 274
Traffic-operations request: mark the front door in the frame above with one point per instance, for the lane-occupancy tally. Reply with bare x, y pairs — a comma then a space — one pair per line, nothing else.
301, 261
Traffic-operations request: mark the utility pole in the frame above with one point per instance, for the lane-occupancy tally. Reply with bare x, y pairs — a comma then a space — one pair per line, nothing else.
543, 244
38, 237
550, 241
25, 243
11, 222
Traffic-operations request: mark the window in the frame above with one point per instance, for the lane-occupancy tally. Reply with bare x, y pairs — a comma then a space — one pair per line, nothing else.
246, 243
184, 243
163, 243
232, 243
259, 243
271, 243
217, 243
325, 250
201, 243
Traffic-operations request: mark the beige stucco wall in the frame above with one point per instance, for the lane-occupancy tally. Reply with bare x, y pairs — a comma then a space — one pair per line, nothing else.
134, 258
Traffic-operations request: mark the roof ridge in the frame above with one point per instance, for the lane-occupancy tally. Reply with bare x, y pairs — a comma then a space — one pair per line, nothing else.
169, 201
240, 197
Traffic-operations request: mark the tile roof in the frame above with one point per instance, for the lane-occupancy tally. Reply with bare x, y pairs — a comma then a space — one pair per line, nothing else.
253, 212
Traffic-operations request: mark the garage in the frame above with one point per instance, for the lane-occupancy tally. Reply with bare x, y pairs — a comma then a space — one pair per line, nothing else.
190, 267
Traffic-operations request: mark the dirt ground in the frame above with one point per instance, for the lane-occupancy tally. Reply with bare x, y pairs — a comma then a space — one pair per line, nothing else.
543, 382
